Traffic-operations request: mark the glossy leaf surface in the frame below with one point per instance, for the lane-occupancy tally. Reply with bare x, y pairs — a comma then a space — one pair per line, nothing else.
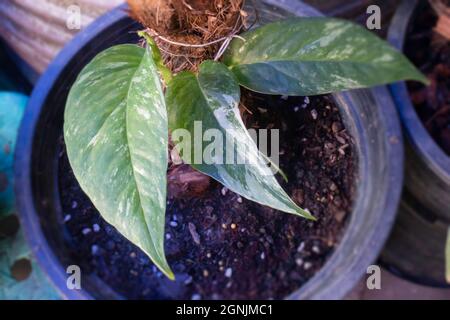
117, 138
206, 107
311, 56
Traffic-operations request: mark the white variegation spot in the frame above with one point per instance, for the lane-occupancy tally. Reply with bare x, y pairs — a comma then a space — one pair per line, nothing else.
116, 135
311, 56
212, 99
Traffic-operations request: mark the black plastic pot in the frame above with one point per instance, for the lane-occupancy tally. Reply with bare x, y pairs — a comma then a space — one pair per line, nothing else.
416, 248
370, 116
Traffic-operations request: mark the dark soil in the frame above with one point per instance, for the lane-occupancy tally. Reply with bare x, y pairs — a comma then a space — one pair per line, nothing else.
430, 51
219, 245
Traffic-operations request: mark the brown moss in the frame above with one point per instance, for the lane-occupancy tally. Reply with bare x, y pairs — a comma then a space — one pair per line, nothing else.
188, 31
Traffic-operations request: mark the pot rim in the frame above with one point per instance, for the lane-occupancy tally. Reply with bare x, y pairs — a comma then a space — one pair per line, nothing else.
369, 249
437, 160
22, 165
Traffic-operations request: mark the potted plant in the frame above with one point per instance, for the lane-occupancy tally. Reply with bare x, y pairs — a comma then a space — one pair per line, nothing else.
343, 148
417, 248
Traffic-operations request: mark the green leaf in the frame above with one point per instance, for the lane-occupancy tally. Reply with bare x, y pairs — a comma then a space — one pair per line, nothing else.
311, 56
211, 99
117, 138
165, 72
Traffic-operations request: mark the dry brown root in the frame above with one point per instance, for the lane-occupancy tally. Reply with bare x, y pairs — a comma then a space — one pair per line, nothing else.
185, 182
443, 26
189, 31
442, 9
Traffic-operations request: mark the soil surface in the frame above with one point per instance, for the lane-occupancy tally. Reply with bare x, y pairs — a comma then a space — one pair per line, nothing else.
430, 51
219, 245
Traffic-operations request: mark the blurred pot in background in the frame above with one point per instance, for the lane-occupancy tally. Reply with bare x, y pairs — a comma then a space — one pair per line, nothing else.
416, 249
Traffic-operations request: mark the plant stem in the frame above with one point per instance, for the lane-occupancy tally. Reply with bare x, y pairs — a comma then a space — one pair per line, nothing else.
166, 74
